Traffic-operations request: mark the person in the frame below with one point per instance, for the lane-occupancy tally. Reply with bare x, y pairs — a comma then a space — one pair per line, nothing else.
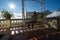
34, 18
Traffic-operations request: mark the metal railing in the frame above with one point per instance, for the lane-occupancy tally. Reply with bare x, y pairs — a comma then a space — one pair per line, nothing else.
3, 23
13, 23
16, 22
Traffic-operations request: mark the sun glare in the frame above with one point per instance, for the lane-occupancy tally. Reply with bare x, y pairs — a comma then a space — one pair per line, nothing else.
12, 6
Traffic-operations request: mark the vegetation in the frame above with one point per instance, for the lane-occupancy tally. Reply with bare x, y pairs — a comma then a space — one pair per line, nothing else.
6, 14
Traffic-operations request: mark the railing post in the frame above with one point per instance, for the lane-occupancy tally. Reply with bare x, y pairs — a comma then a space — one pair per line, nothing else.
8, 26
8, 23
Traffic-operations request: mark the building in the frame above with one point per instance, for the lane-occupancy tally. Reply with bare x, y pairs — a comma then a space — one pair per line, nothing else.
29, 14
54, 17
39, 14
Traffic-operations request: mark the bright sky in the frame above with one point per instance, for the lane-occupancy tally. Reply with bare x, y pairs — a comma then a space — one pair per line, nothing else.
15, 5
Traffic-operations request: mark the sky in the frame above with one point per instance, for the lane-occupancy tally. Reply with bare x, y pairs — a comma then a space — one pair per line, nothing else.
15, 6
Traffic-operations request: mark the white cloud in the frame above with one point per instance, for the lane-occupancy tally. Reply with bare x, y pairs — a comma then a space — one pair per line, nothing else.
17, 16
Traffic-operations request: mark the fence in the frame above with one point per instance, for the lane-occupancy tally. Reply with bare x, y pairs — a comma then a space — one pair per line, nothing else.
10, 23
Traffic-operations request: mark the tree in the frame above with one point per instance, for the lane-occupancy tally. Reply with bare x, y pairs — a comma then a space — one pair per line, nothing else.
6, 15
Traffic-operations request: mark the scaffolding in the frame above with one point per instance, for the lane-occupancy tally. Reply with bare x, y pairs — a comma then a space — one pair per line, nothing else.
42, 6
